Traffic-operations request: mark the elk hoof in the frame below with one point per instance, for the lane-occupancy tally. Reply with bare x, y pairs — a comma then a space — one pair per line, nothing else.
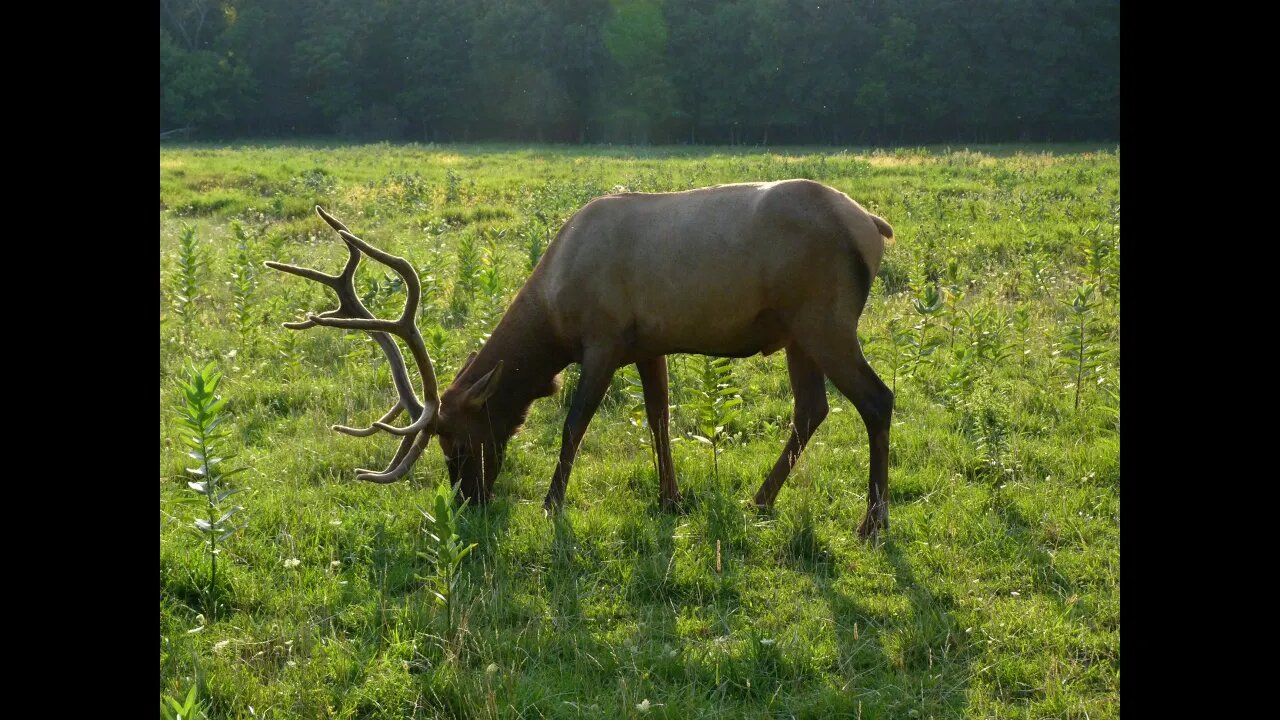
875, 521
550, 508
762, 504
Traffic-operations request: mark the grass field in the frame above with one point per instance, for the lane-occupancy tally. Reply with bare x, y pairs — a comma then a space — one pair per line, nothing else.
995, 594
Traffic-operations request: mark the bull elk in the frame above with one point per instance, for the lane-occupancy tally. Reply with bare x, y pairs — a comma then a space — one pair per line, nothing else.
729, 271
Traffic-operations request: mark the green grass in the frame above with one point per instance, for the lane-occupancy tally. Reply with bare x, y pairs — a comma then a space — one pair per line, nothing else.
995, 594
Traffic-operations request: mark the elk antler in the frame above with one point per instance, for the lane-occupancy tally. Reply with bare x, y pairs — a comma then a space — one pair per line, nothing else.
351, 314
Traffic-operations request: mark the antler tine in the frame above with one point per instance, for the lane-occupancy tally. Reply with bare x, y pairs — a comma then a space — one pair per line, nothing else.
398, 471
322, 278
416, 426
392, 414
334, 222
367, 324
304, 324
337, 283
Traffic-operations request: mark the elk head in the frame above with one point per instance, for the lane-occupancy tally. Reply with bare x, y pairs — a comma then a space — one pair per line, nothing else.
472, 453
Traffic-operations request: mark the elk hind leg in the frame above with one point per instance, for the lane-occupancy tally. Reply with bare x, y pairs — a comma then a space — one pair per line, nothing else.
838, 353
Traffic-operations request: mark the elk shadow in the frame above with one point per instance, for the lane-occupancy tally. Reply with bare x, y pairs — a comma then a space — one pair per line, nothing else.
400, 572
658, 591
925, 651
1045, 578
651, 591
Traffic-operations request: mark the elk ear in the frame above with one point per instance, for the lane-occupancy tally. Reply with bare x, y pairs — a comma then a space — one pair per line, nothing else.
467, 363
483, 388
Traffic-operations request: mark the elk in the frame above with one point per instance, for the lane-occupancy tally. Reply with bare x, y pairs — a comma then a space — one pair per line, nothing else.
730, 271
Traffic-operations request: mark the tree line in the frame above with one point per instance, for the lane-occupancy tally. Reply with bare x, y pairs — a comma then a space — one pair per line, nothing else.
644, 71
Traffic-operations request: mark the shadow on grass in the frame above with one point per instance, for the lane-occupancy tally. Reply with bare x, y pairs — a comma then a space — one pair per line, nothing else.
894, 664
601, 610
1045, 578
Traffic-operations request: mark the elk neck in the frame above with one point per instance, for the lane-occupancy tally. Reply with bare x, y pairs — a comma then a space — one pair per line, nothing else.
532, 358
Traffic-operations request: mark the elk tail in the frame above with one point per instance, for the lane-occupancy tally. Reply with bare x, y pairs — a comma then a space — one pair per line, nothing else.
886, 230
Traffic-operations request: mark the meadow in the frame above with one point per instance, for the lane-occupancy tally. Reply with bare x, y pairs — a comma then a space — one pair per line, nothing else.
995, 594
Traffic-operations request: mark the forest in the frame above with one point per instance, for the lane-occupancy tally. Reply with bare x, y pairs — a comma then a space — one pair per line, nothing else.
730, 72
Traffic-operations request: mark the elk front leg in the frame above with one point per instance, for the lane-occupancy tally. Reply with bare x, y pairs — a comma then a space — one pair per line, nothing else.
653, 376
809, 387
597, 370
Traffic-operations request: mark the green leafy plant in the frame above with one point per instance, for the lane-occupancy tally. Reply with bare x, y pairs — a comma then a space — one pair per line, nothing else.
470, 265
378, 291
986, 349
491, 272
988, 329
568, 385
244, 282
437, 340
1079, 354
201, 423
452, 187
928, 304
951, 300
190, 708
1113, 391
715, 401
1033, 274
446, 551
952, 294
191, 265
987, 421
633, 401
1022, 326
1097, 248
275, 240
898, 350
289, 346
537, 237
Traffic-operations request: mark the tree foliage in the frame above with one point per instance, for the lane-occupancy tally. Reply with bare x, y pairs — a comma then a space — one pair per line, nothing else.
641, 71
